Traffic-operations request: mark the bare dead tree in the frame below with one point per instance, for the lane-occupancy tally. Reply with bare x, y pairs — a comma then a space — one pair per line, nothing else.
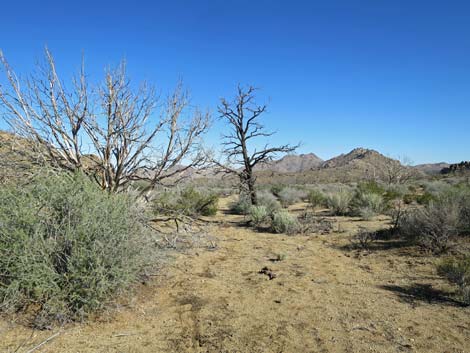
242, 115
398, 171
113, 133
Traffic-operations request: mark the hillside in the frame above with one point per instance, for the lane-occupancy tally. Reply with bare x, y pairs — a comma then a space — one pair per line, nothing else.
358, 164
432, 168
292, 163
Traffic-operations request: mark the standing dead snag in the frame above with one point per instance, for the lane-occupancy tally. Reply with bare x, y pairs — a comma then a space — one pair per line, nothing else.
114, 133
242, 116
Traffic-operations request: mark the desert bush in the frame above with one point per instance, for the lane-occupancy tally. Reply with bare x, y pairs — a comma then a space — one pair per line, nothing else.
242, 205
363, 238
457, 271
435, 187
187, 201
425, 198
268, 200
434, 226
339, 202
284, 222
259, 215
288, 196
367, 204
276, 189
316, 198
67, 247
308, 222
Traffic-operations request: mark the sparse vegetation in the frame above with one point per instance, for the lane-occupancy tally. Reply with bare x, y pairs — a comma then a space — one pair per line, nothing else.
187, 201
363, 238
457, 271
289, 195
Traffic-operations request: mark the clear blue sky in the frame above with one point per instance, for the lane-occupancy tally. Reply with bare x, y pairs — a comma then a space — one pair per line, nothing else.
390, 75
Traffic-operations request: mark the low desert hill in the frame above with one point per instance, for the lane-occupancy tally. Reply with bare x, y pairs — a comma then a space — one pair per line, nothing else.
292, 163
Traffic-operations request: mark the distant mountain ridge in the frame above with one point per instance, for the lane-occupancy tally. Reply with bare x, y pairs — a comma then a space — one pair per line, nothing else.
292, 163
432, 168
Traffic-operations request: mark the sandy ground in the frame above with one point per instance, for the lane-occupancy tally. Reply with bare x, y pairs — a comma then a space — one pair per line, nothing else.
324, 298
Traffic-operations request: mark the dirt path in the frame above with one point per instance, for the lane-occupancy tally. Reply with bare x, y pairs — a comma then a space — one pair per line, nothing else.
323, 299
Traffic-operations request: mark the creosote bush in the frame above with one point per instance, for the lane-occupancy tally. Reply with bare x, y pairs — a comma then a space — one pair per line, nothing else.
66, 247
188, 201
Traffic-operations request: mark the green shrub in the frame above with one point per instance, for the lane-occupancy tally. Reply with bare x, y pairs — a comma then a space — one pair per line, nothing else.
288, 196
371, 187
276, 189
316, 199
425, 199
67, 247
284, 222
339, 202
457, 271
259, 215
188, 201
367, 204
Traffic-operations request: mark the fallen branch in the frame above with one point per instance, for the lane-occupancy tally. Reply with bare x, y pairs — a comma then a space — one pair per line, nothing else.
44, 342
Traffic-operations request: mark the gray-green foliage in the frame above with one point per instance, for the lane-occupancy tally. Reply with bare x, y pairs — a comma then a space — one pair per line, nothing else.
289, 195
259, 215
433, 226
367, 204
316, 198
284, 222
339, 201
67, 247
268, 200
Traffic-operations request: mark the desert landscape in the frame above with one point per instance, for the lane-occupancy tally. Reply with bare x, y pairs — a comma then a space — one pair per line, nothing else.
234, 177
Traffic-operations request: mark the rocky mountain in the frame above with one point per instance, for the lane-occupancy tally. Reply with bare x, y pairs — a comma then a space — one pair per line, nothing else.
292, 163
359, 157
431, 168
